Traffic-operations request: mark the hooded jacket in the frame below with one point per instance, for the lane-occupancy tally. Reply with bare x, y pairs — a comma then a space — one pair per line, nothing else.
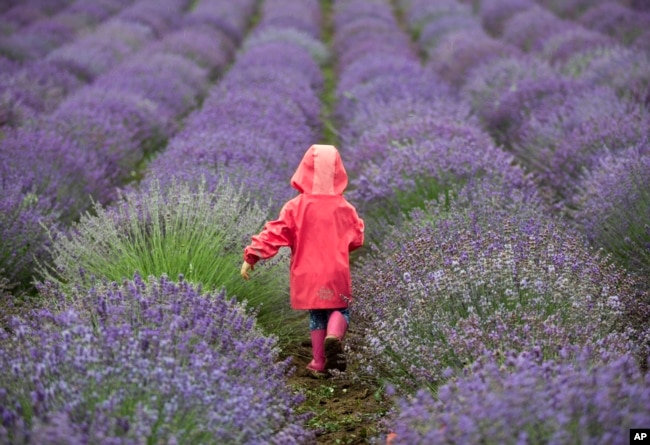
320, 227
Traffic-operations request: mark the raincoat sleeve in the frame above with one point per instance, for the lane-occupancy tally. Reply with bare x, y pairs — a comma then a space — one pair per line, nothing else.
276, 234
357, 240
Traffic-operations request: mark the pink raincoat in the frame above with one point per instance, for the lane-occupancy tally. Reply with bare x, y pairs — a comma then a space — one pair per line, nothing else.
320, 227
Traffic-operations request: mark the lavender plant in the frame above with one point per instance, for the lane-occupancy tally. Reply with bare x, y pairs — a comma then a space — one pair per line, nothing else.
205, 45
624, 69
433, 33
419, 159
419, 13
157, 362
37, 40
570, 9
485, 86
34, 89
561, 47
488, 271
527, 399
118, 126
179, 229
94, 54
530, 28
171, 81
461, 51
46, 179
616, 20
613, 206
291, 35
495, 14
560, 141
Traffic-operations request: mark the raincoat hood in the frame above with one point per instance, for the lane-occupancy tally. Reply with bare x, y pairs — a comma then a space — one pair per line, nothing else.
320, 172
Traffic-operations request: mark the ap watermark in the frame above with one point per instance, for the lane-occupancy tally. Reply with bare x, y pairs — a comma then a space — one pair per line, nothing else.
639, 435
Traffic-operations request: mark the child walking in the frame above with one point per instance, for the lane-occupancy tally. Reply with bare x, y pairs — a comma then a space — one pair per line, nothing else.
320, 227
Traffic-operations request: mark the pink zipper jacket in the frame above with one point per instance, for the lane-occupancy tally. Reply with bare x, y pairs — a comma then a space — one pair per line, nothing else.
320, 227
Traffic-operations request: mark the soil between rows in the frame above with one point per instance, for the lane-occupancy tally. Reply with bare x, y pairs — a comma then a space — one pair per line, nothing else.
347, 408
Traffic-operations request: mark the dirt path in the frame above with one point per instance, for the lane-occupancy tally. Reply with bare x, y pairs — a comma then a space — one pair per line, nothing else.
347, 408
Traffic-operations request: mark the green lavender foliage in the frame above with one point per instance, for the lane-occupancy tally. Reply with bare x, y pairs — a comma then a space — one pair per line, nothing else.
179, 230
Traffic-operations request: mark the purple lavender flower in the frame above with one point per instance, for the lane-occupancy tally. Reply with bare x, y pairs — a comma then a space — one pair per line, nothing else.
561, 47
90, 14
161, 16
147, 361
527, 399
37, 40
36, 89
561, 141
206, 46
419, 13
280, 54
117, 126
496, 78
495, 13
529, 29
170, 81
288, 14
22, 15
46, 180
96, 53
626, 70
614, 205
533, 283
459, 52
617, 20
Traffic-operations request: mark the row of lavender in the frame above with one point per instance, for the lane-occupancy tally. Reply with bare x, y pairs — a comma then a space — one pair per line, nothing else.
44, 33
476, 293
629, 23
212, 374
47, 76
570, 103
56, 163
16, 14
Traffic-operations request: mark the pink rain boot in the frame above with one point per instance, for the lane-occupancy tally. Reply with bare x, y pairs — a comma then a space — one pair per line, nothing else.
336, 329
316, 368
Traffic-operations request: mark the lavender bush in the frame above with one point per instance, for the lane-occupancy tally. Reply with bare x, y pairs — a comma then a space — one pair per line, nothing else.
32, 90
37, 40
484, 86
527, 399
419, 158
495, 14
617, 20
45, 180
171, 81
434, 33
118, 126
459, 52
529, 28
505, 91
175, 229
205, 45
613, 206
145, 362
561, 47
486, 271
561, 141
570, 9
624, 69
93, 54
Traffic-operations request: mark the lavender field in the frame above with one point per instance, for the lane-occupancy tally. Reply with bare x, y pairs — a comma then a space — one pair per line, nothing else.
498, 151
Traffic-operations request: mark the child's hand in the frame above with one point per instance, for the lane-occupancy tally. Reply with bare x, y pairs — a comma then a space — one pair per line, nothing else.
244, 270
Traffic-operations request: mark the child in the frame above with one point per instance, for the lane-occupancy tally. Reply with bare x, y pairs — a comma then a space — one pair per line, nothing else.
321, 227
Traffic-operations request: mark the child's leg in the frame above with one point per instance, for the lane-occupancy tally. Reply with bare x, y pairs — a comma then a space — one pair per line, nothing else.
337, 326
317, 329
